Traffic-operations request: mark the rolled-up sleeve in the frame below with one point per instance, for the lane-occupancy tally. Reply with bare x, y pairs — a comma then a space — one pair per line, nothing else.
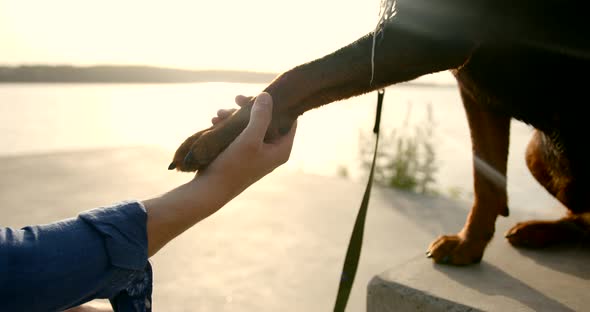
100, 254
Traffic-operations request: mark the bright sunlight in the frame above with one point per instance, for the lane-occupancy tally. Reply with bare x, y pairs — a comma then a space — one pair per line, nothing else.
257, 35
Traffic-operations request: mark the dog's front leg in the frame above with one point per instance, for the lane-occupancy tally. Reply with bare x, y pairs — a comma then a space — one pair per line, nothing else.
490, 137
401, 52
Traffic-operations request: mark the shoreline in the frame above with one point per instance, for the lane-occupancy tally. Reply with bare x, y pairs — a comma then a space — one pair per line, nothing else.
80, 150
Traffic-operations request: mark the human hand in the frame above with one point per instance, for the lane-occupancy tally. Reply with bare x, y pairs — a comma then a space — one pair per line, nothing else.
249, 157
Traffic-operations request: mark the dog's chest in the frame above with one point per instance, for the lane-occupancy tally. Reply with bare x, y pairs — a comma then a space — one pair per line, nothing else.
530, 85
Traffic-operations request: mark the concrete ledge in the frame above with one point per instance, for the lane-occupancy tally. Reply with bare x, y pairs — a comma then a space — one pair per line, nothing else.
555, 279
388, 296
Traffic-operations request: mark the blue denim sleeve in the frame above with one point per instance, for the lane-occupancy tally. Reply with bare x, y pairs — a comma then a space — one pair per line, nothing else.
100, 254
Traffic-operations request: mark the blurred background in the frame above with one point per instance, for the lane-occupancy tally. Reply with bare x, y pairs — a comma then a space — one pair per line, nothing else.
72, 140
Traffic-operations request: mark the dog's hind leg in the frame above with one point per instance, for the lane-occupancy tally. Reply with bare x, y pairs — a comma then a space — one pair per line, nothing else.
564, 178
490, 137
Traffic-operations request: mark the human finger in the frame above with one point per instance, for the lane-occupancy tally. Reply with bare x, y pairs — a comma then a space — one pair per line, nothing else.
242, 100
260, 117
222, 114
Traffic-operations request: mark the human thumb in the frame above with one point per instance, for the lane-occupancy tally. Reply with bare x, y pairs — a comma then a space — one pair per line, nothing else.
260, 117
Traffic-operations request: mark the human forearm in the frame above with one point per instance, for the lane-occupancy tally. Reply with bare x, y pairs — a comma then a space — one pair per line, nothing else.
172, 213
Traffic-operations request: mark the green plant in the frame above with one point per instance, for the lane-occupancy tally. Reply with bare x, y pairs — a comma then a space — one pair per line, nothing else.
406, 158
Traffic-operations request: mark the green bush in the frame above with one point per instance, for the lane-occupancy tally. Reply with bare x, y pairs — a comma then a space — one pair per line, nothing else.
406, 158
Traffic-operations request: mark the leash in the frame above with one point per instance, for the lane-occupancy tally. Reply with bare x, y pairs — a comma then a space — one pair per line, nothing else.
356, 239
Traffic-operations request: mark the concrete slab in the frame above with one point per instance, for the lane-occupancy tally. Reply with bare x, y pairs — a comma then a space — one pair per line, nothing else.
508, 279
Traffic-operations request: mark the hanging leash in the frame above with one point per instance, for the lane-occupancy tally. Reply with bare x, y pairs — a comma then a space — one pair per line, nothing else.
356, 239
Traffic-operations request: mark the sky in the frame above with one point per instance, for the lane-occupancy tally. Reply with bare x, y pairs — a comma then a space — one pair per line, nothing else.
255, 35
265, 35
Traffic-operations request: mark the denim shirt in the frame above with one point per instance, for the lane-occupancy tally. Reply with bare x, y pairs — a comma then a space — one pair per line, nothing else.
101, 254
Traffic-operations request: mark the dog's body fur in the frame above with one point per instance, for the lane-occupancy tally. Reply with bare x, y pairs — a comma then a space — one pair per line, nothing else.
524, 60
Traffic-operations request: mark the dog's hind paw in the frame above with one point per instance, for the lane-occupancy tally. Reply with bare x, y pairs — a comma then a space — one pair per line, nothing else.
539, 234
452, 249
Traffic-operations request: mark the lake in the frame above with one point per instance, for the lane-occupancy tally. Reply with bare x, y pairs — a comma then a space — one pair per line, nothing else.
47, 118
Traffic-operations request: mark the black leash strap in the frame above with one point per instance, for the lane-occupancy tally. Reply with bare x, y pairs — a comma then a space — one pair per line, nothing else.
356, 239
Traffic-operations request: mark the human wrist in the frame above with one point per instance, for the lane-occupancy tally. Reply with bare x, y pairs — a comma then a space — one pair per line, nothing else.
224, 184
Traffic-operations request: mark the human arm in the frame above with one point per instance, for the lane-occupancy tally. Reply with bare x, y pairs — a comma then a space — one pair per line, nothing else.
244, 162
103, 252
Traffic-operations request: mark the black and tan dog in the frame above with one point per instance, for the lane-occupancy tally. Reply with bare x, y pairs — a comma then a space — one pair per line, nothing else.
521, 59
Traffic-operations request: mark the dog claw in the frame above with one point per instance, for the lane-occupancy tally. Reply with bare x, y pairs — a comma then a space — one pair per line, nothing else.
508, 235
172, 166
428, 254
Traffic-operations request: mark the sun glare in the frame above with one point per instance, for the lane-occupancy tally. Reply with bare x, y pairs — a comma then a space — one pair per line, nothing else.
260, 35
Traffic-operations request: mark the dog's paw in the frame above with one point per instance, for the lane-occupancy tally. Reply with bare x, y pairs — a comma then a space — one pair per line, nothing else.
183, 150
200, 149
452, 249
539, 234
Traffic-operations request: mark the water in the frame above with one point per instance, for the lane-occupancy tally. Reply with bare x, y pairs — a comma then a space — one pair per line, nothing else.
44, 118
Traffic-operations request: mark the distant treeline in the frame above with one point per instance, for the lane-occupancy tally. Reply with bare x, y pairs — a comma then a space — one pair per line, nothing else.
124, 74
